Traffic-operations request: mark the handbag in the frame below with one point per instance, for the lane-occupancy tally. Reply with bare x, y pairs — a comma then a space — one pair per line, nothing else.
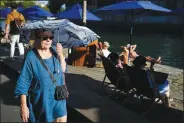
4, 41
61, 92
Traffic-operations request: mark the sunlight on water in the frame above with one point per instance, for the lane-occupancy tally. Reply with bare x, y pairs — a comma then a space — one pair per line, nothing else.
154, 45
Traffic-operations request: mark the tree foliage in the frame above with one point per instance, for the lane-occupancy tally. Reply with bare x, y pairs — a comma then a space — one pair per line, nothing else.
25, 4
55, 5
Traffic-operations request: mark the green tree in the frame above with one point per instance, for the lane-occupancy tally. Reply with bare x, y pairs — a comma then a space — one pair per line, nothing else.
5, 3
27, 4
2, 3
55, 5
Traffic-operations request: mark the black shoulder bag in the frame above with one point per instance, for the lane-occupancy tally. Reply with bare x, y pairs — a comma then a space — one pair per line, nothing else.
61, 92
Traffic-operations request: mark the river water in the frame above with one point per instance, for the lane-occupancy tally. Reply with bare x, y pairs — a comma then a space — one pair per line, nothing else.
168, 47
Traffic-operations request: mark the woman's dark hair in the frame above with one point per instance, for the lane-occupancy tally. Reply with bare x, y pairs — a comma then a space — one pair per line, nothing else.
139, 61
13, 5
113, 57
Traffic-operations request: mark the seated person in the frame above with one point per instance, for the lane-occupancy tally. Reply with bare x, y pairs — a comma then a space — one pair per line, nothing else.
114, 57
103, 49
140, 63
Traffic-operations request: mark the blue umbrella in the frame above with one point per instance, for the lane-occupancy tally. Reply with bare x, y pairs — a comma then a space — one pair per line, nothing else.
20, 8
5, 11
35, 12
131, 6
76, 13
65, 32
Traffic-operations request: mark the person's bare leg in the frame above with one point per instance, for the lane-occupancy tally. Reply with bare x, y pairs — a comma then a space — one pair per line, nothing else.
61, 119
152, 60
158, 60
133, 54
126, 53
167, 95
100, 45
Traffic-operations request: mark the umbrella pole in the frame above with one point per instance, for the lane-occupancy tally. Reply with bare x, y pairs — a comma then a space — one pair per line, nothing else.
131, 32
132, 26
57, 54
84, 12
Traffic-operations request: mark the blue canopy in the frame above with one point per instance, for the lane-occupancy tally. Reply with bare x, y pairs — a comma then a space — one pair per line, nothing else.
76, 13
133, 7
5, 11
130, 5
35, 12
66, 32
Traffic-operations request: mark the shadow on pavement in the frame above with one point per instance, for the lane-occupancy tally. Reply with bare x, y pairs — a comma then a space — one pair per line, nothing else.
79, 84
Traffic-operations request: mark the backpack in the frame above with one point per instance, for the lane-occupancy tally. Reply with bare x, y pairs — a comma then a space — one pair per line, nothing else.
15, 25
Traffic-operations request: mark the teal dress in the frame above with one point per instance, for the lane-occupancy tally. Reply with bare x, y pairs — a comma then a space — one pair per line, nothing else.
35, 82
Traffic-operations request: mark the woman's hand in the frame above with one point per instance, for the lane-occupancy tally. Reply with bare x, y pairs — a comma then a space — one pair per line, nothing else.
59, 50
6, 36
24, 112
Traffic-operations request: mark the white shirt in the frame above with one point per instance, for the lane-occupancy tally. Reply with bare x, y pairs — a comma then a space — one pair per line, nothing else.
106, 52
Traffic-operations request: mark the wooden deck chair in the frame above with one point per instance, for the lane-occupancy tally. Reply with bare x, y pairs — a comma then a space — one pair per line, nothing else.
115, 76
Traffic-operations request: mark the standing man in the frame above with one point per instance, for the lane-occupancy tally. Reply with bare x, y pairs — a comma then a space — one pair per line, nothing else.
13, 22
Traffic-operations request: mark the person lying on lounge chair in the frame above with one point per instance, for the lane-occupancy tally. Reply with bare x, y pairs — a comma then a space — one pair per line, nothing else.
140, 63
114, 57
134, 54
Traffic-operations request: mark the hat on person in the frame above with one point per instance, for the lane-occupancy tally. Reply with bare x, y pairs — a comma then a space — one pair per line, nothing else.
43, 33
106, 44
140, 61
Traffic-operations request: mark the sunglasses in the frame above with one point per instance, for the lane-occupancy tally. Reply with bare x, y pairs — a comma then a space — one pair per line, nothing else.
45, 38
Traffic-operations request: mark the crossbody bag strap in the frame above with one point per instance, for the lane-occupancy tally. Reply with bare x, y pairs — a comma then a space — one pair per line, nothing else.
44, 65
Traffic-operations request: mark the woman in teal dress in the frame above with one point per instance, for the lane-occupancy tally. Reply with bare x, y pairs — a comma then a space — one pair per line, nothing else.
35, 87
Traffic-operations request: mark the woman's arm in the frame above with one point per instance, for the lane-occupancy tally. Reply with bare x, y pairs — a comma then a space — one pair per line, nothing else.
59, 50
133, 47
63, 63
125, 56
22, 87
23, 100
24, 109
